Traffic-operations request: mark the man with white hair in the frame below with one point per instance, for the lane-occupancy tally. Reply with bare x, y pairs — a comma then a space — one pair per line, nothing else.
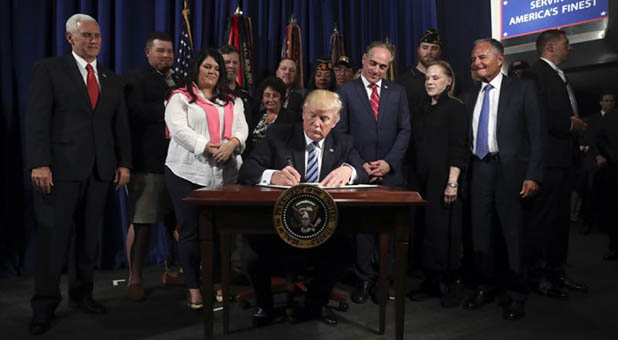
77, 142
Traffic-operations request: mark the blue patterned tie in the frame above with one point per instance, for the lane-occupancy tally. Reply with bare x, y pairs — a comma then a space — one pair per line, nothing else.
311, 175
482, 142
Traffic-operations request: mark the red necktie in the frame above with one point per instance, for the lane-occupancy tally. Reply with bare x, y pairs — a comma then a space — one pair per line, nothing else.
93, 87
375, 99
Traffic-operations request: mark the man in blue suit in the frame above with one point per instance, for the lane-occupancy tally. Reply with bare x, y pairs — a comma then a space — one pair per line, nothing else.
375, 112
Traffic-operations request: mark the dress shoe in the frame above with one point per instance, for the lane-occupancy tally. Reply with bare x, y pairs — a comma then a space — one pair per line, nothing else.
362, 292
478, 300
88, 305
135, 292
513, 309
572, 285
552, 291
453, 295
260, 317
327, 316
40, 323
611, 256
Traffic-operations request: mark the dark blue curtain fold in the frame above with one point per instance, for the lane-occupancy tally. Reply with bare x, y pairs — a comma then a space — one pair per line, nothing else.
34, 29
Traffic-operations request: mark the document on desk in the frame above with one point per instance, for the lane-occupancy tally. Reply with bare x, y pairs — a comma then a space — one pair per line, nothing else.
351, 186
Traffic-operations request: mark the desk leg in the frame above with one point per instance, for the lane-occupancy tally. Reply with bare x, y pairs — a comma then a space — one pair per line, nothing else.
382, 284
206, 251
401, 257
225, 279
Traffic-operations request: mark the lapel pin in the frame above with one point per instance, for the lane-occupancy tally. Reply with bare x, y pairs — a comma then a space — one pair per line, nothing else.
331, 150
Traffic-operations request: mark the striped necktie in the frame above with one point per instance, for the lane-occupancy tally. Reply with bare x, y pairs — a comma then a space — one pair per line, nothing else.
311, 174
375, 99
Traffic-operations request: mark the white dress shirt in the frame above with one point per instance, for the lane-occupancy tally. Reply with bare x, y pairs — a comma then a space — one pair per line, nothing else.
494, 99
189, 135
81, 63
366, 84
268, 174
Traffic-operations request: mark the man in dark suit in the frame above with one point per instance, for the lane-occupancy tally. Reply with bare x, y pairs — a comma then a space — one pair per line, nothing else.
375, 113
146, 91
290, 149
593, 183
77, 142
547, 231
506, 169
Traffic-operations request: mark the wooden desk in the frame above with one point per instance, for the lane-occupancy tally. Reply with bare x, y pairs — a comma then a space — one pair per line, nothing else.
247, 209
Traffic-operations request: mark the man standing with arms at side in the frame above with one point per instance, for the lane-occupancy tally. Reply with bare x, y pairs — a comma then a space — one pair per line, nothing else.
146, 90
232, 68
547, 232
375, 113
77, 142
506, 169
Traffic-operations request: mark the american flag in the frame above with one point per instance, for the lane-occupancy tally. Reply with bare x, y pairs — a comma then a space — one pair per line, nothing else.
185, 49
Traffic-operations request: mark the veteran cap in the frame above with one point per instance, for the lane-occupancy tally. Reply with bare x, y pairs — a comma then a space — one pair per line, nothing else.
345, 61
431, 36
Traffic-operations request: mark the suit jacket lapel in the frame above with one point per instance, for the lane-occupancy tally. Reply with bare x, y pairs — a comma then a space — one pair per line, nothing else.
385, 92
101, 72
362, 93
503, 102
298, 152
328, 157
76, 78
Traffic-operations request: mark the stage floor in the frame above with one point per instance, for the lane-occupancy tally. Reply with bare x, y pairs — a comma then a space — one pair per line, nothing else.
164, 314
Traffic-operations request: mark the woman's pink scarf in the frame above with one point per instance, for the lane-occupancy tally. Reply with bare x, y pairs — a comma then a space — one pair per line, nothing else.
212, 116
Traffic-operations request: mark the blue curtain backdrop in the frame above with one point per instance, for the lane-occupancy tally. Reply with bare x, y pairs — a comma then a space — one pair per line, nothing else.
34, 29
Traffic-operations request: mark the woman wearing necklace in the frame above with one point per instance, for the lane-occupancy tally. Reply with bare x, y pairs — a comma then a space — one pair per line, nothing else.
207, 131
272, 94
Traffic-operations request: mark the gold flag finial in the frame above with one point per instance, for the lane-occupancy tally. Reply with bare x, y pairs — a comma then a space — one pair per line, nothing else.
238, 11
335, 29
186, 2
387, 40
292, 19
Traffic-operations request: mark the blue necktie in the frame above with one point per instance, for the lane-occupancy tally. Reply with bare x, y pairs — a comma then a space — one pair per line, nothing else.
482, 142
311, 175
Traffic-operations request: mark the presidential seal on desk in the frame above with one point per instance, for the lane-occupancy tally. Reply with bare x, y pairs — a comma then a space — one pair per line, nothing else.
305, 216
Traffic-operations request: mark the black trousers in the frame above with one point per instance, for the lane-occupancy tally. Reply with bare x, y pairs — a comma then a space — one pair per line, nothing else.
68, 222
547, 225
268, 255
187, 216
496, 212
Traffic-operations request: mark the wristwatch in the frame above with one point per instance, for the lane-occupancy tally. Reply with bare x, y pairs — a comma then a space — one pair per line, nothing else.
453, 185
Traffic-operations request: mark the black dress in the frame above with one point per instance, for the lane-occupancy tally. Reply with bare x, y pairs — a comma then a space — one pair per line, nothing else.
440, 138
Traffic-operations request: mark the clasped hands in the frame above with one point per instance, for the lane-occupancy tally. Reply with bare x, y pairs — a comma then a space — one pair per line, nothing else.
223, 151
290, 176
376, 170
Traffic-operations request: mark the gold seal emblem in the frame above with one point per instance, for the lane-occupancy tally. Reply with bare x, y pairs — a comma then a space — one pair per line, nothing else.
305, 216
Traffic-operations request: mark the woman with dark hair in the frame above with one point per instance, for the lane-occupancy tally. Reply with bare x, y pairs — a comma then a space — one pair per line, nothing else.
207, 131
271, 93
323, 76
440, 134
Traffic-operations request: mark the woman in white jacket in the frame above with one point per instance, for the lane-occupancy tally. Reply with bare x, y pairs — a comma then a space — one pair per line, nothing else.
207, 128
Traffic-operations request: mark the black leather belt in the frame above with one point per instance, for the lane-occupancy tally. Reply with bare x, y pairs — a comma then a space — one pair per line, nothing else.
489, 157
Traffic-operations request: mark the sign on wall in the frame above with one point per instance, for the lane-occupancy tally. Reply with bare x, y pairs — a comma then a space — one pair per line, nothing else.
522, 17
